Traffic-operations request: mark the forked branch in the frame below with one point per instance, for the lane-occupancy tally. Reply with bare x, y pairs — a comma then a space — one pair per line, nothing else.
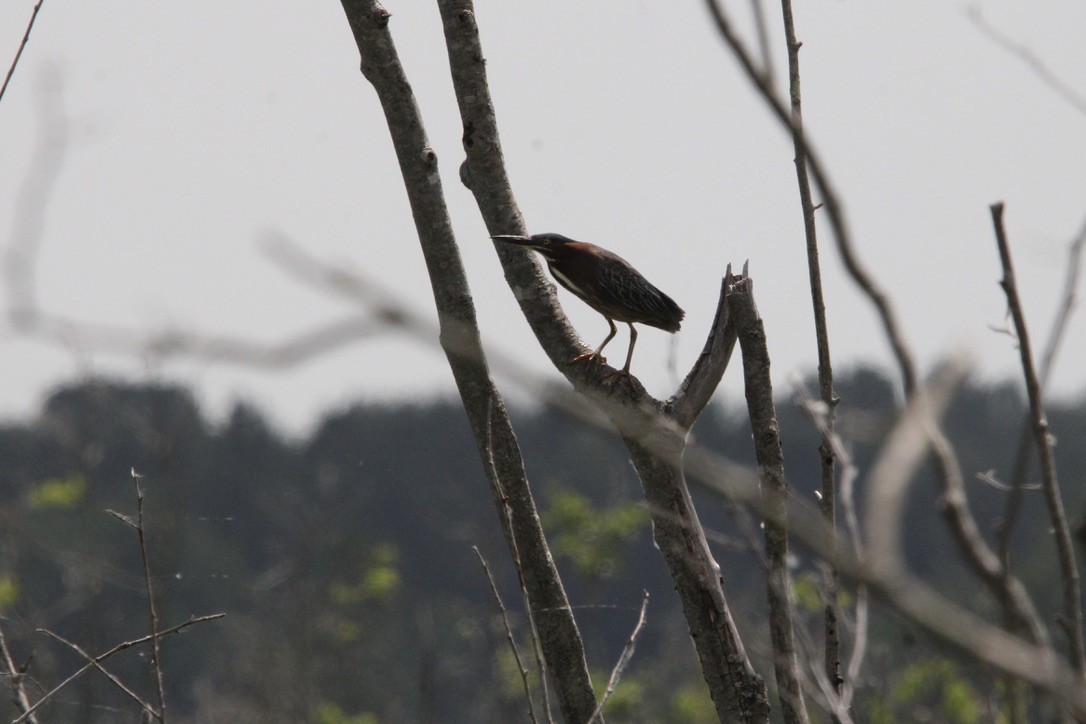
654, 431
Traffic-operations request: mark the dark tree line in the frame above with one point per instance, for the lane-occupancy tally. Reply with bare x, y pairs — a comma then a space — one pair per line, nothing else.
349, 551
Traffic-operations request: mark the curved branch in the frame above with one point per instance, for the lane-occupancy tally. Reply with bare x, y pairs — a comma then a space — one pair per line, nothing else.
702, 380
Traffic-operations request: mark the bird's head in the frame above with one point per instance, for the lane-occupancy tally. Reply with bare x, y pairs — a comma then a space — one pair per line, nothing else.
548, 245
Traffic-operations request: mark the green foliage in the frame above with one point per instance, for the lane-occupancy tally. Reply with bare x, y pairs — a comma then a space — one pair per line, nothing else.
933, 689
58, 492
331, 713
807, 593
344, 557
379, 583
626, 702
382, 580
692, 705
592, 539
9, 592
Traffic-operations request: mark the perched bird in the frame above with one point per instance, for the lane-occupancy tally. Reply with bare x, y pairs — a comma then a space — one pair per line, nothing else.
607, 283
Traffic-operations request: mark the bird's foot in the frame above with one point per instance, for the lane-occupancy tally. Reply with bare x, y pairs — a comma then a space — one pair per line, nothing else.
591, 358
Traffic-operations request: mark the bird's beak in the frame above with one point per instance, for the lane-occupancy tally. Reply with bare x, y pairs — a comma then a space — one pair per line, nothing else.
513, 239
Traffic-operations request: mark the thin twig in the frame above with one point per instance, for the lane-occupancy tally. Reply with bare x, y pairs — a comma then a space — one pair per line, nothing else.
817, 413
761, 31
109, 674
156, 651
1011, 595
507, 511
16, 678
509, 635
828, 502
115, 650
1027, 56
623, 661
22, 44
959, 627
815, 684
1048, 362
830, 200
989, 477
1072, 597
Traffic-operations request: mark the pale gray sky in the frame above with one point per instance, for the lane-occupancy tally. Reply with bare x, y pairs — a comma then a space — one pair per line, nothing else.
196, 129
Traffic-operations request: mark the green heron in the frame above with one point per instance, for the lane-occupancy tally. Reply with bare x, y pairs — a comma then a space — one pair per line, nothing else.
607, 283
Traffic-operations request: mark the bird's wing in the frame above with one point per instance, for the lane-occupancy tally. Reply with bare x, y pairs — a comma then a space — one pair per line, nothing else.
621, 286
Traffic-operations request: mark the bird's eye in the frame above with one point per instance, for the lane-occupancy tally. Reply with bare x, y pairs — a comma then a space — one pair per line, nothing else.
546, 242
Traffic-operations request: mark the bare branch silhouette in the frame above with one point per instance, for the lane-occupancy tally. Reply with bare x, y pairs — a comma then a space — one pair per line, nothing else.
775, 492
152, 613
1010, 594
108, 674
1023, 53
652, 431
115, 650
828, 501
509, 635
623, 661
817, 412
1072, 597
1056, 335
16, 678
22, 46
559, 636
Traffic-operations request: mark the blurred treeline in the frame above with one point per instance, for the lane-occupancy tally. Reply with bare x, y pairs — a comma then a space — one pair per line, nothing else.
344, 560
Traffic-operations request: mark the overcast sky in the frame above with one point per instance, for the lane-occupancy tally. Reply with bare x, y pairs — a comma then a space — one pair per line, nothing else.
159, 143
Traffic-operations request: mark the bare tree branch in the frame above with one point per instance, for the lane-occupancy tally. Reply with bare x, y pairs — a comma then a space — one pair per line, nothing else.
955, 626
22, 45
901, 455
761, 31
817, 411
518, 564
1011, 595
32, 200
1063, 89
102, 657
767, 450
509, 635
459, 335
109, 674
830, 200
152, 613
1072, 597
623, 661
700, 383
652, 433
16, 678
1048, 362
828, 501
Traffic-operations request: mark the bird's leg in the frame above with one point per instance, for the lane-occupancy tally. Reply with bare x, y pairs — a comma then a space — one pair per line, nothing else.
596, 356
629, 353
625, 371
